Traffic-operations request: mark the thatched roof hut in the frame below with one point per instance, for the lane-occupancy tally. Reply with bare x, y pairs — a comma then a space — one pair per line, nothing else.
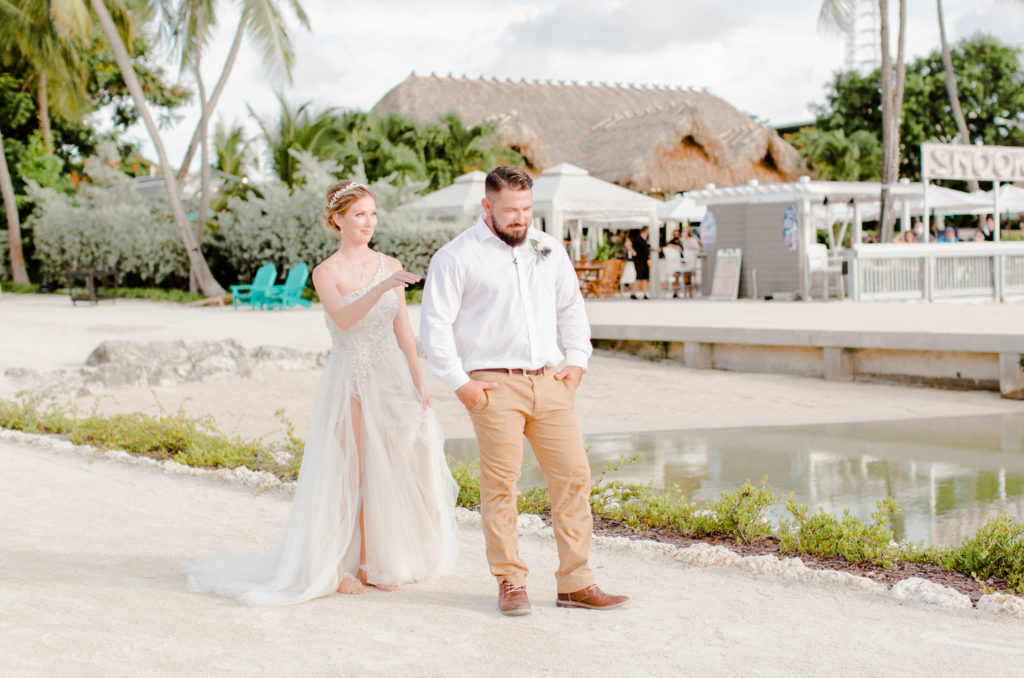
650, 139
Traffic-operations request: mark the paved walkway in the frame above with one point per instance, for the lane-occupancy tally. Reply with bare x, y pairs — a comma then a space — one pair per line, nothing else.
89, 551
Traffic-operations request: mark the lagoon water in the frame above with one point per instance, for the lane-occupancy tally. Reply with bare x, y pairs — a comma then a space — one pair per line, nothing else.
948, 475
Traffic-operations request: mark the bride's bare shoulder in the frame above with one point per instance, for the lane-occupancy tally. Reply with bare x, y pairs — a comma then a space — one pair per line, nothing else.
329, 271
394, 265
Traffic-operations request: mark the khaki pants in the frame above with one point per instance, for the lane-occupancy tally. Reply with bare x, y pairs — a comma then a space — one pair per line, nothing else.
544, 411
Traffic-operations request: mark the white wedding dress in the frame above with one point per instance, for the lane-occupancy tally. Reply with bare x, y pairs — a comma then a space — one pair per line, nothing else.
407, 492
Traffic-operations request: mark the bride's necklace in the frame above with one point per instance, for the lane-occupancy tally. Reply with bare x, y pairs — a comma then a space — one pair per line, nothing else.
360, 268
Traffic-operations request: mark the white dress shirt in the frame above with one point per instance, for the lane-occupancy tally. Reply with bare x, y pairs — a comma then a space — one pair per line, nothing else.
486, 304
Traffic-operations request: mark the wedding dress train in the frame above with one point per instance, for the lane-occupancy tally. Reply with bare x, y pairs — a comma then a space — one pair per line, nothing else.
407, 493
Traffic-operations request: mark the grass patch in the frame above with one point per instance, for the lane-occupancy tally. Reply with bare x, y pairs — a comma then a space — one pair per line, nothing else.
151, 293
996, 551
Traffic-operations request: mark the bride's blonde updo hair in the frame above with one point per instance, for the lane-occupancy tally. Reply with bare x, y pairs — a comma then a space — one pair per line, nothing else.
340, 197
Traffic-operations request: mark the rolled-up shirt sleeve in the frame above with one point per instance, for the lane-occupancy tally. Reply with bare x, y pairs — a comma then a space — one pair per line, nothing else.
442, 299
573, 325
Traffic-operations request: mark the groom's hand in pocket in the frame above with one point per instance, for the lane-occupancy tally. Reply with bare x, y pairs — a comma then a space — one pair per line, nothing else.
472, 391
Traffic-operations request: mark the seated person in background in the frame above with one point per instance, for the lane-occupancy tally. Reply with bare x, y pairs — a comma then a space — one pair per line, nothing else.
948, 235
979, 236
988, 229
675, 241
906, 236
690, 240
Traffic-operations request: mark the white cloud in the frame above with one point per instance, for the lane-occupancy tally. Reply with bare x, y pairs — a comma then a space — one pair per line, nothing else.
767, 59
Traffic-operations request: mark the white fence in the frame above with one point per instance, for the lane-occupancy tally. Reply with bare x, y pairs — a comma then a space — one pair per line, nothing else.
933, 271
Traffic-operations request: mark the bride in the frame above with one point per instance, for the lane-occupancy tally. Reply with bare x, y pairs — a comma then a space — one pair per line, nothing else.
375, 502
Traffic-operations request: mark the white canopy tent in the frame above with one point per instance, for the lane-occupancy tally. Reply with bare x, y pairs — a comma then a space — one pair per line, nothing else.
460, 201
565, 195
681, 208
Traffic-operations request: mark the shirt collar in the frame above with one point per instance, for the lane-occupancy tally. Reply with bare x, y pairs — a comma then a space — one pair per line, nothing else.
483, 231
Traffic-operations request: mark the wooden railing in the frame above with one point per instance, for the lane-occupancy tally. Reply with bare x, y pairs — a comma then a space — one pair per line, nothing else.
934, 271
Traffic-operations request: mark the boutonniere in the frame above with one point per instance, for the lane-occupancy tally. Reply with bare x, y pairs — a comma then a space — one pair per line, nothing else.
541, 252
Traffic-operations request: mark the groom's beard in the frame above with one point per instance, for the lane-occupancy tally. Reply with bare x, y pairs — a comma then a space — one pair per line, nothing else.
510, 238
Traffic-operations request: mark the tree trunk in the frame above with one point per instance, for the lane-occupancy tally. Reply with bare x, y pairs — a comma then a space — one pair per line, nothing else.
43, 101
951, 88
18, 271
207, 283
887, 113
896, 110
204, 173
215, 97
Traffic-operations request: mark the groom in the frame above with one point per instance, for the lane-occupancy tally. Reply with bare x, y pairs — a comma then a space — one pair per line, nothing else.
496, 298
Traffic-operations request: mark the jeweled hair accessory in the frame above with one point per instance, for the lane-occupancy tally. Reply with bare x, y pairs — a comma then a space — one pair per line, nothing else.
348, 189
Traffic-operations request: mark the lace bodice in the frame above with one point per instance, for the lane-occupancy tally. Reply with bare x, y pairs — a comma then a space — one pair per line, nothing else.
373, 337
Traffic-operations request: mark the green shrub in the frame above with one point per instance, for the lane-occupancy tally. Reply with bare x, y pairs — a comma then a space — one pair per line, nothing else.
468, 478
996, 550
28, 414
742, 512
107, 226
282, 224
823, 534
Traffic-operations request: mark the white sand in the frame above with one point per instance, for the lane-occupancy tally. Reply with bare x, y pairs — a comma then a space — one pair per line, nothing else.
90, 547
619, 394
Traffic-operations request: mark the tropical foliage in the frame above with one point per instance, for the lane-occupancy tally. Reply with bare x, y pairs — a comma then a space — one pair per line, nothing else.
990, 80
389, 147
106, 225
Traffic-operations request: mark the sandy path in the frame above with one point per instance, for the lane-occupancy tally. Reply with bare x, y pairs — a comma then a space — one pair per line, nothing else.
89, 588
620, 394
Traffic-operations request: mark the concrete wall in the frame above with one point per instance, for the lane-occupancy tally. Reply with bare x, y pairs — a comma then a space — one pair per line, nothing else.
943, 369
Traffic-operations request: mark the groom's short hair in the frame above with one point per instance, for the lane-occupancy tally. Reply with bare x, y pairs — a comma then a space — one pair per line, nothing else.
507, 176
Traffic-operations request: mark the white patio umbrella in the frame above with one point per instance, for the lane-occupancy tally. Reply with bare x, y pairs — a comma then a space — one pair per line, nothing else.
941, 200
1011, 198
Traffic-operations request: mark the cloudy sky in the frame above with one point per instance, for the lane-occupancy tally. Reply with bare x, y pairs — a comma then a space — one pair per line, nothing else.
767, 59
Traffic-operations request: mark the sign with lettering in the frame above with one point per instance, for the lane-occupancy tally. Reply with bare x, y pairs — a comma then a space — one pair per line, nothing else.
958, 161
725, 286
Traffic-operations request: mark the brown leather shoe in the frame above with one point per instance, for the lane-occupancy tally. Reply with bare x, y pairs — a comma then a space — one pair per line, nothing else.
591, 598
512, 600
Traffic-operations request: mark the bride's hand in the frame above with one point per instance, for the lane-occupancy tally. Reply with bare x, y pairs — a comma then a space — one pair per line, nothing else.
424, 398
400, 279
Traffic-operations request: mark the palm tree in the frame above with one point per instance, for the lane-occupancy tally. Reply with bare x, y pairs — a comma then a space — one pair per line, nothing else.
892, 110
18, 270
263, 21
320, 133
55, 68
70, 10
234, 157
839, 157
837, 15
32, 39
951, 89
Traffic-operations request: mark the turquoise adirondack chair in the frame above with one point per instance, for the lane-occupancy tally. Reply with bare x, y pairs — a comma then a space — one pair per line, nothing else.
255, 294
290, 293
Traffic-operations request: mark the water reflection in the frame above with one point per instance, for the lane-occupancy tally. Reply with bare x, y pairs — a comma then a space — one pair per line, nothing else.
949, 475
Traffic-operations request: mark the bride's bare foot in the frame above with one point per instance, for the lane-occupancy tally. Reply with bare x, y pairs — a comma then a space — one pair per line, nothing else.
350, 586
382, 587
